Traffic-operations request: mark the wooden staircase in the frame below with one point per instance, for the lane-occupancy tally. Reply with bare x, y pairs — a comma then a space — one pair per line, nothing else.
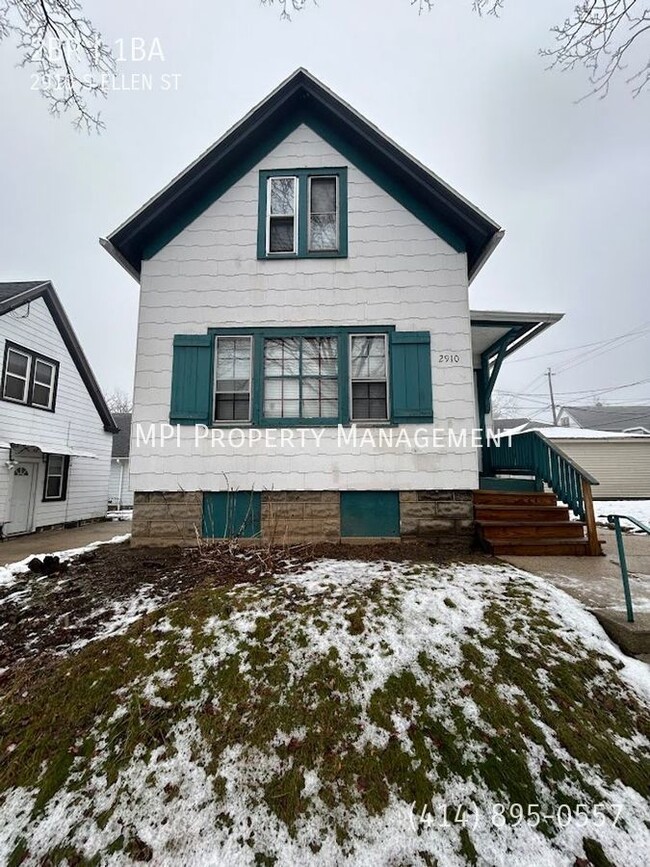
527, 523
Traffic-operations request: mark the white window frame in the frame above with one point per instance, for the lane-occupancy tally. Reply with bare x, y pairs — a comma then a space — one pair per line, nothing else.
251, 342
296, 199
51, 386
337, 220
27, 378
386, 379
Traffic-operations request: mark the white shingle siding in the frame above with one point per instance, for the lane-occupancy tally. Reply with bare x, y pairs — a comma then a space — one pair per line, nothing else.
75, 424
398, 272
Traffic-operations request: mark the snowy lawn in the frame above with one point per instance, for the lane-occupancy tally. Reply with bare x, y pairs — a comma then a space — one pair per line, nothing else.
351, 713
639, 509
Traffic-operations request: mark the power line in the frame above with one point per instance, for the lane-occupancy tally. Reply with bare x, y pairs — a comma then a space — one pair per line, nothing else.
594, 344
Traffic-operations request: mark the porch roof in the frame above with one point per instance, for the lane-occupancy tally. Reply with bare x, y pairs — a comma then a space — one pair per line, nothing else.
497, 331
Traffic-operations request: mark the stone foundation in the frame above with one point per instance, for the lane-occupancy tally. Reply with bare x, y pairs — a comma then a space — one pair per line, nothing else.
162, 518
442, 516
290, 517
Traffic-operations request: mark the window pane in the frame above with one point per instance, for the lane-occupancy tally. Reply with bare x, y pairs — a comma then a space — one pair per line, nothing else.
43, 373
319, 356
282, 197
281, 235
323, 195
281, 398
55, 465
369, 400
232, 407
282, 356
233, 359
42, 395
53, 487
368, 357
323, 233
15, 388
17, 363
320, 398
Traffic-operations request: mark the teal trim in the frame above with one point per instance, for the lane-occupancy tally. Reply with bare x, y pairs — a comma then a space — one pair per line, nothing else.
387, 182
370, 513
410, 381
232, 514
303, 176
192, 380
353, 153
492, 483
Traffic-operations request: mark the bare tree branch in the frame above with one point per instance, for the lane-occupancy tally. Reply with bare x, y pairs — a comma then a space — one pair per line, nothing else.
70, 62
119, 401
599, 35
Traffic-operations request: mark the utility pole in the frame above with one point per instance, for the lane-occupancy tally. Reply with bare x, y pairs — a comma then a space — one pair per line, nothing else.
550, 388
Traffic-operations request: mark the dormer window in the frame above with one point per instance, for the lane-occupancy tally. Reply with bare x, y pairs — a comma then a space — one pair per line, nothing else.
302, 214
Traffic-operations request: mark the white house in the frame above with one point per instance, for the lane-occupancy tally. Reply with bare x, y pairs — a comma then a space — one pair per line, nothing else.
55, 428
305, 343
120, 494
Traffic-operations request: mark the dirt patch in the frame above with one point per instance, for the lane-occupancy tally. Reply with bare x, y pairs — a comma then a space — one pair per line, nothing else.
100, 592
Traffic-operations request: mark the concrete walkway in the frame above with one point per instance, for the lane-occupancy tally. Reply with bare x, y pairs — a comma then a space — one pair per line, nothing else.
596, 583
12, 550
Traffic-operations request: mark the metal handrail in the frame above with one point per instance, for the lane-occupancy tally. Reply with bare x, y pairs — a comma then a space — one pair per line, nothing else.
622, 560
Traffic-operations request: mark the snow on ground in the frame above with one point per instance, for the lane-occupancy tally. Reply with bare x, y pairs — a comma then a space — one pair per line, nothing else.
9, 573
193, 800
120, 515
639, 509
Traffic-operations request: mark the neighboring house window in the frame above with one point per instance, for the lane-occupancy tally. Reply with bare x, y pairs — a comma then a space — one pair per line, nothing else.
56, 477
302, 213
232, 400
369, 377
29, 378
301, 377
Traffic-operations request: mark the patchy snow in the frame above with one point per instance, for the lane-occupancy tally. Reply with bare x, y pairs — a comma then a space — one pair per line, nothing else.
120, 515
9, 573
581, 433
223, 816
639, 509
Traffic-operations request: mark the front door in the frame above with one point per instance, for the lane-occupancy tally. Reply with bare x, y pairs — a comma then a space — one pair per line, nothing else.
22, 490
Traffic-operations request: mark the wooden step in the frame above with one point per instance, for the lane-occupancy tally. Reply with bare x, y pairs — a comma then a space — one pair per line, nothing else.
521, 513
539, 547
492, 530
514, 498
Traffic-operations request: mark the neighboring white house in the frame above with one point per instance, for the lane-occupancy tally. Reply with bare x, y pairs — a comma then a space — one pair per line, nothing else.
55, 428
617, 419
620, 461
303, 314
120, 495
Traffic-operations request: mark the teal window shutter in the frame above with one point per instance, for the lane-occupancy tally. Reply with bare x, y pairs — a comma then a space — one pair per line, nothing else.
191, 379
410, 363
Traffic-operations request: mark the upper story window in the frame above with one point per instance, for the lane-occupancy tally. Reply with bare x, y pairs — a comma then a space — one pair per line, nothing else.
303, 213
29, 378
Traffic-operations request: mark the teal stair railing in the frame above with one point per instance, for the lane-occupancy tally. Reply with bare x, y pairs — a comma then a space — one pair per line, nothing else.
622, 560
531, 453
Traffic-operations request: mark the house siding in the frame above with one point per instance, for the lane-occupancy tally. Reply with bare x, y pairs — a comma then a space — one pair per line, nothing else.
621, 467
74, 424
398, 272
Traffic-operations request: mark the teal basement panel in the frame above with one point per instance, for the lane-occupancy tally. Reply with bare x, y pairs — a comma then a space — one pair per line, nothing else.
232, 514
370, 513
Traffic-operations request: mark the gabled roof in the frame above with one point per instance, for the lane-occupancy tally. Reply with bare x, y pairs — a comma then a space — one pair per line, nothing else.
503, 424
611, 418
304, 99
13, 295
121, 440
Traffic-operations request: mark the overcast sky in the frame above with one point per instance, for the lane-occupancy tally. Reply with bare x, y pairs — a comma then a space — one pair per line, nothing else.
469, 97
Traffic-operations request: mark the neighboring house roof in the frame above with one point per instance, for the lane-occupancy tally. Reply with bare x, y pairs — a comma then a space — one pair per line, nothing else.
304, 99
611, 418
122, 438
501, 424
580, 433
13, 295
